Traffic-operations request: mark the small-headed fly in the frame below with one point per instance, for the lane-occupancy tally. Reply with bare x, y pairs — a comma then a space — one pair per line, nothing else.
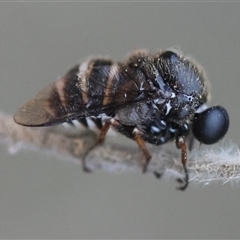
150, 98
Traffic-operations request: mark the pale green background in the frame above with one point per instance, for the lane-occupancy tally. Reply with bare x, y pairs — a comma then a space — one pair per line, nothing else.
42, 197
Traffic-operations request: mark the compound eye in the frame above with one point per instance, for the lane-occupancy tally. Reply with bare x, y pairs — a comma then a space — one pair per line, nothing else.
211, 125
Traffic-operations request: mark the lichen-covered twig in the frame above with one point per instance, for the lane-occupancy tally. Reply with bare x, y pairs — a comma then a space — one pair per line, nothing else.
205, 164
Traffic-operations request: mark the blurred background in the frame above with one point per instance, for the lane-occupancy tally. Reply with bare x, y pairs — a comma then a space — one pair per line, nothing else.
42, 197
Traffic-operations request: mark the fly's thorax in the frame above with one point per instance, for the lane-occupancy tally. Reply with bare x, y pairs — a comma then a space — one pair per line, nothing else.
186, 81
182, 74
136, 114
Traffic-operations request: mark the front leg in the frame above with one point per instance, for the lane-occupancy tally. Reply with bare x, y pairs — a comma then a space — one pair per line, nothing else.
181, 144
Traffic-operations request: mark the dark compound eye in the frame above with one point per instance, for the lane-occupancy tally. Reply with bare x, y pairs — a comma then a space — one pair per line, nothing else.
211, 125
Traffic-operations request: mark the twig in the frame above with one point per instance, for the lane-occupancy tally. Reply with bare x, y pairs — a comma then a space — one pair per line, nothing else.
205, 165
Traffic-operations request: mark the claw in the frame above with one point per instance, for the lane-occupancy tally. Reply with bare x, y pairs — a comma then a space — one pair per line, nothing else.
184, 181
157, 175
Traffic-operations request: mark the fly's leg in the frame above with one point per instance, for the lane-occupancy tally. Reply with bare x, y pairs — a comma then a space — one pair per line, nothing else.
100, 140
103, 132
138, 139
136, 135
181, 144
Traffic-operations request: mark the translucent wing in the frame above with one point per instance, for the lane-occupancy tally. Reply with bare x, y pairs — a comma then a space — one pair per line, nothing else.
97, 90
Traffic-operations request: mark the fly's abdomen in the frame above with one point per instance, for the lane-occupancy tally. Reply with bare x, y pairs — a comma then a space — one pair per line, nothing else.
88, 88
87, 84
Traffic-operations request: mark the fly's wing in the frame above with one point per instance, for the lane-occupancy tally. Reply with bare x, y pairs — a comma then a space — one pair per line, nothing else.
45, 109
80, 94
